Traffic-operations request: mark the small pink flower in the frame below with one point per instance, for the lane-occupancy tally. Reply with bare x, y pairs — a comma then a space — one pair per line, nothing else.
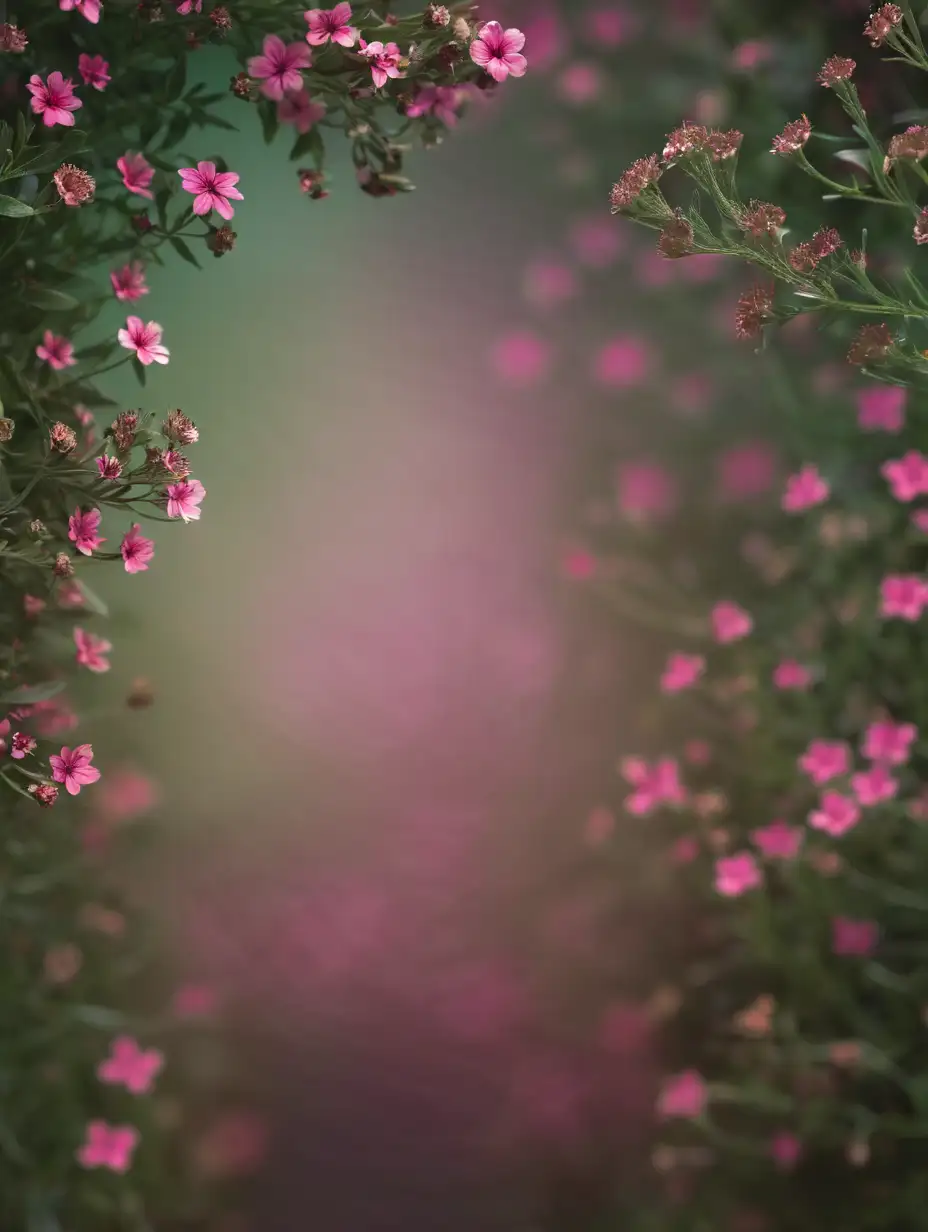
57, 352
130, 1066
298, 109
682, 672
646, 490
596, 241
751, 54
836, 814
108, 467
685, 850
22, 745
184, 499
137, 173
778, 841
522, 359
580, 83
746, 471
874, 786
279, 67
920, 520
213, 189
548, 282
108, 1146
653, 786
788, 674
623, 363
32, 606
578, 564
384, 60
854, 938
904, 595
145, 340
730, 623
334, 24
825, 759
185, 7
73, 768
907, 476
683, 1095
889, 742
94, 70
497, 51
129, 282
87, 8
881, 408
786, 1150
91, 650
136, 550
735, 875
82, 530
126, 794
804, 490
442, 102
54, 99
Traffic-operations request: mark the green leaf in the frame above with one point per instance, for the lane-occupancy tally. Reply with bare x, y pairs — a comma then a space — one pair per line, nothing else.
177, 79
177, 130
148, 128
309, 143
99, 1016
139, 369
12, 207
183, 250
92, 601
27, 695
214, 121
99, 350
269, 121
23, 133
161, 204
50, 300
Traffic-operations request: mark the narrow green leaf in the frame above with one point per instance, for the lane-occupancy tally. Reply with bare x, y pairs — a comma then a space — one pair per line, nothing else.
12, 207
50, 300
214, 121
99, 351
177, 79
139, 370
29, 694
23, 133
92, 601
309, 143
269, 121
183, 250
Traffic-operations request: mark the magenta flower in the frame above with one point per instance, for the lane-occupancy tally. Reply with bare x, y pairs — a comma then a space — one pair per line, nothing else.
22, 745
497, 51
129, 282
130, 1066
145, 340
279, 67
874, 786
804, 490
334, 24
735, 875
91, 650
835, 815
73, 768
778, 841
920, 520
824, 760
137, 173
184, 499
189, 6
442, 102
213, 188
108, 1146
82, 530
730, 623
907, 476
53, 99
298, 109
786, 1149
136, 550
87, 8
522, 359
654, 785
623, 363
889, 742
904, 595
854, 938
682, 672
193, 1001
94, 70
108, 466
788, 674
57, 352
683, 1095
384, 60
881, 408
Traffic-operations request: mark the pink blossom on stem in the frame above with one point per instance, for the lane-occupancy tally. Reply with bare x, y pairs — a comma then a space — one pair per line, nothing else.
279, 67
881, 408
654, 785
94, 70
804, 490
788, 674
835, 815
682, 672
145, 340
82, 530
903, 595
786, 1149
498, 51
889, 742
442, 102
854, 938
73, 768
730, 623
53, 99
87, 8
874, 786
184, 499
185, 7
683, 1095
22, 745
747, 470
331, 24
824, 760
213, 190
778, 841
623, 363
108, 1146
384, 60
130, 1066
108, 466
56, 351
91, 650
137, 173
297, 108
907, 476
736, 874
136, 550
129, 281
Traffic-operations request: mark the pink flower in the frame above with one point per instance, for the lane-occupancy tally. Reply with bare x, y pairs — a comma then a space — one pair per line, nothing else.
907, 476
442, 102
854, 938
130, 1066
94, 70
580, 83
298, 109
91, 650
33, 605
730, 622
881, 408
279, 67
904, 595
82, 530
786, 1149
825, 759
751, 54
920, 520
129, 282
682, 672
653, 786
547, 282
788, 674
384, 60
497, 51
596, 241
646, 490
57, 352
623, 363
735, 875
578, 564
778, 841
193, 1001
522, 359
326, 24
745, 471
145, 340
125, 794
73, 768
683, 1095
22, 745
889, 742
184, 7
836, 814
87, 8
136, 550
804, 489
137, 173
54, 99
213, 189
109, 467
685, 850
874, 786
184, 499
108, 1146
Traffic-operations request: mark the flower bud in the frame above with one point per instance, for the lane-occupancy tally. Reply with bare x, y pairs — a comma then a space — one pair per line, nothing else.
221, 19
74, 184
62, 439
44, 794
177, 427
6, 429
242, 86
63, 566
12, 38
141, 695
436, 16
221, 241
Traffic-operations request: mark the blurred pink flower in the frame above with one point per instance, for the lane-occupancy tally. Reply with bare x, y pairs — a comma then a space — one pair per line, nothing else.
778, 841
91, 650
685, 850
907, 476
804, 490
835, 815
279, 67
645, 490
904, 595
137, 173
874, 786
690, 394
94, 70
108, 1146
889, 742
522, 359
730, 623
498, 51
623, 363
57, 352
881, 408
608, 26
194, 1001
580, 83
596, 241
82, 530
578, 564
87, 8
683, 1095
736, 874
549, 282
297, 108
825, 759
682, 672
751, 54
130, 1066
788, 674
854, 938
654, 785
747, 470
786, 1149
129, 282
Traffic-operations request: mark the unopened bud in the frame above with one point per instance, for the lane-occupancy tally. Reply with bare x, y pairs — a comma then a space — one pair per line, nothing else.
63, 566
6, 429
62, 438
